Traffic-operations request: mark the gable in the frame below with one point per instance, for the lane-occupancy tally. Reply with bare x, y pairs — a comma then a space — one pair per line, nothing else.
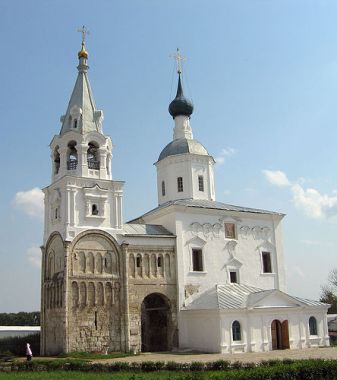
197, 241
233, 263
271, 299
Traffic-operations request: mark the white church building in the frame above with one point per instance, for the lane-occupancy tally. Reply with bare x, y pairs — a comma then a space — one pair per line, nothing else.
192, 273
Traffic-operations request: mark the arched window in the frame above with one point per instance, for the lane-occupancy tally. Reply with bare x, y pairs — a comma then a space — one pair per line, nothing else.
163, 188
236, 331
75, 123
94, 210
313, 326
92, 156
138, 261
72, 156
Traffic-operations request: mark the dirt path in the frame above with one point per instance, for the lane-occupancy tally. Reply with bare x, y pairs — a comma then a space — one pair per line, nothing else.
309, 353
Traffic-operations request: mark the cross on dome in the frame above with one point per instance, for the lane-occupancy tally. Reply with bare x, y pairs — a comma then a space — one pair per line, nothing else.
179, 58
84, 30
83, 53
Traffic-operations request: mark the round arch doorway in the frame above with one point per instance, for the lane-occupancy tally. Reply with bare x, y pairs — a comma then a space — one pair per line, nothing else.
156, 322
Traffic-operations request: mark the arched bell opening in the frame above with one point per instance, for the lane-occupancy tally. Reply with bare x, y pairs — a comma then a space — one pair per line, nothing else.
57, 160
72, 156
156, 323
93, 156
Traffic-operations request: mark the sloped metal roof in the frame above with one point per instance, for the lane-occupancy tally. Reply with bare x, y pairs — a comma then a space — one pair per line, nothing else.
146, 229
310, 302
182, 146
201, 203
239, 296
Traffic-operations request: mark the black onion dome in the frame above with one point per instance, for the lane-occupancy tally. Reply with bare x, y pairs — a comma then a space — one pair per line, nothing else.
180, 105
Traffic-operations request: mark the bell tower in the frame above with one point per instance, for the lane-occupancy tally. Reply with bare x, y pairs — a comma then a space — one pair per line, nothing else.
82, 193
81, 275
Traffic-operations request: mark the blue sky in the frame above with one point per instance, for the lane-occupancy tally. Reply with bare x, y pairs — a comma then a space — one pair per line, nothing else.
263, 78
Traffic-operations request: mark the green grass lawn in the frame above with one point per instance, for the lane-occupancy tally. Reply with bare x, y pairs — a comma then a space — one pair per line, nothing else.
95, 356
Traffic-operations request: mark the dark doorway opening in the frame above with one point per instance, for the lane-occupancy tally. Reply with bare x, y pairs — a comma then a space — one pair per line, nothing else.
156, 322
279, 335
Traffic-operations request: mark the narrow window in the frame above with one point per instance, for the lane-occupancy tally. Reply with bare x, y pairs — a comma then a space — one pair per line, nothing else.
201, 182
56, 213
266, 262
138, 261
96, 320
159, 262
236, 331
197, 260
75, 123
233, 277
163, 188
180, 184
313, 326
94, 210
230, 231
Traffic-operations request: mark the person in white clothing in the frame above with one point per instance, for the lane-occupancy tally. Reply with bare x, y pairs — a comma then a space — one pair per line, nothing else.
29, 353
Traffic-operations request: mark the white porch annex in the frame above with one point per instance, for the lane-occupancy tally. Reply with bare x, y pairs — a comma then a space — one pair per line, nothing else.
237, 318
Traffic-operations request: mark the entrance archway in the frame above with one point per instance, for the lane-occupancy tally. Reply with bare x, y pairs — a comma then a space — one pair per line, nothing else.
156, 321
279, 335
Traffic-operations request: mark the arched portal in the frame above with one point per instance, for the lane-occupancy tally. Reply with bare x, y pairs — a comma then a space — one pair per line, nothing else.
156, 323
279, 335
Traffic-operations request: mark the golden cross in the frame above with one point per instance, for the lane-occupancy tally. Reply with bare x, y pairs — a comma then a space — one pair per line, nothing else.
178, 57
84, 32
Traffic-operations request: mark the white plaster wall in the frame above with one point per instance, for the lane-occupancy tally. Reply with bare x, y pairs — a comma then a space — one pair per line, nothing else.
201, 331
72, 195
211, 331
189, 167
216, 254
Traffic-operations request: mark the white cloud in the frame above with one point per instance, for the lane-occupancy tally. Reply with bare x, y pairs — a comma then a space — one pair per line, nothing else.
310, 201
30, 202
34, 256
313, 203
225, 152
276, 177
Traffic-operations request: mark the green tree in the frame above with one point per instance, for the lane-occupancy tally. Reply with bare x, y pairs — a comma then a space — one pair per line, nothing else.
20, 319
329, 292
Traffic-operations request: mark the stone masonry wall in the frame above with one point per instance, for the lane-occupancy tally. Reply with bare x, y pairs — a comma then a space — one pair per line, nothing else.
151, 270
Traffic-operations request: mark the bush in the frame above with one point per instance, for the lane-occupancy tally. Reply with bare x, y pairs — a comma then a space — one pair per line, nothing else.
119, 366
197, 366
151, 366
270, 370
219, 365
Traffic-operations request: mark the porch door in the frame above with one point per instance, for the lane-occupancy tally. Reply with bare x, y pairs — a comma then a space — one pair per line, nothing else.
285, 335
279, 335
